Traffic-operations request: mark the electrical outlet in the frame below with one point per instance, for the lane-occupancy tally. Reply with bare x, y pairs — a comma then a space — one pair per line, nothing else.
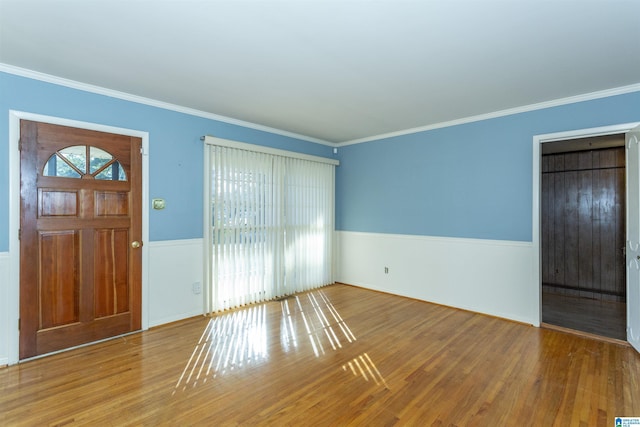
386, 270
196, 288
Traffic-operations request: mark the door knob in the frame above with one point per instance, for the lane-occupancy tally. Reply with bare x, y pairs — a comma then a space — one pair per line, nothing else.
136, 244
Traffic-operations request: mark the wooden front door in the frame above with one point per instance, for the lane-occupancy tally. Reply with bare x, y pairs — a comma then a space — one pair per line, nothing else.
80, 236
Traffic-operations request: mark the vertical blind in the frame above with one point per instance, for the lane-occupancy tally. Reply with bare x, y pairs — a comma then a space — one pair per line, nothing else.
269, 224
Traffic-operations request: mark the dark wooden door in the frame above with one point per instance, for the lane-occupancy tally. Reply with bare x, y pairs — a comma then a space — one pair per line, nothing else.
583, 223
80, 236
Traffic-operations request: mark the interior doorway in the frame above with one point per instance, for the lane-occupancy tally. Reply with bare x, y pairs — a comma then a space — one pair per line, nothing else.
583, 235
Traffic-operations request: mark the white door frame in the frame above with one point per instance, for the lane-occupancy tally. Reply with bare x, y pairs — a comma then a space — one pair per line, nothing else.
13, 292
538, 140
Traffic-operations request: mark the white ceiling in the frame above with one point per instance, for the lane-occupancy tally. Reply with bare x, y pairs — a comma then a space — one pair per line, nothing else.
334, 71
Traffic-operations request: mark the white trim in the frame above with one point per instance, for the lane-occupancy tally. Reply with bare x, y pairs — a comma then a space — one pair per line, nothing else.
212, 140
206, 235
13, 292
23, 72
174, 243
508, 112
538, 140
439, 239
14, 215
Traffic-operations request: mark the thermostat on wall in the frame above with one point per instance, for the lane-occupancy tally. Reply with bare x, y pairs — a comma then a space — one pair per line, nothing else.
158, 204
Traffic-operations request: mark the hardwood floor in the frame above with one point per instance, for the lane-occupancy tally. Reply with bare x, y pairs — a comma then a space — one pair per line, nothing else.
332, 357
605, 318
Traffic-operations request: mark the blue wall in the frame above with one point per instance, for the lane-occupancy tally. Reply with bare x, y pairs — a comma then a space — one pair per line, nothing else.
472, 180
175, 149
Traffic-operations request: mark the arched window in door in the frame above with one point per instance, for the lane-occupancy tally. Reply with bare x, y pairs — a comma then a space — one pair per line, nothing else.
84, 161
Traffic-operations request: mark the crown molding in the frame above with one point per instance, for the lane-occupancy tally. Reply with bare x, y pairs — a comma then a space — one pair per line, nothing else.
532, 107
36, 75
23, 72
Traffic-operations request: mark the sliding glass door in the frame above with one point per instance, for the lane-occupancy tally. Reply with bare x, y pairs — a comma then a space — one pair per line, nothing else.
269, 222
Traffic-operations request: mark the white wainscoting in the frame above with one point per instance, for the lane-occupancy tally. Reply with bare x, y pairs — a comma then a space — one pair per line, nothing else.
4, 308
174, 266
485, 276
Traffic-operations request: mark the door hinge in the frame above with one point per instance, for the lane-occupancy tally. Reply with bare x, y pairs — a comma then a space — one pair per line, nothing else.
19, 234
19, 324
20, 144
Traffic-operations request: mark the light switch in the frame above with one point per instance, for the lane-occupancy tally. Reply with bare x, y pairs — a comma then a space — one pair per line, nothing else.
158, 204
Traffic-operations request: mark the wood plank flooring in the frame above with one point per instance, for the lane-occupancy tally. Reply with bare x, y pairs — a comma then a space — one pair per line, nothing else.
332, 357
605, 318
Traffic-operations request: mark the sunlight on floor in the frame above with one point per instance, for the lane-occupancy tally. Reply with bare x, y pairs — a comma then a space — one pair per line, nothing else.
318, 324
362, 365
228, 342
240, 339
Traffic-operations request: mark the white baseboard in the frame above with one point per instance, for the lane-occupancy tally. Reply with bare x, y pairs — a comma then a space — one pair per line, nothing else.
176, 317
485, 276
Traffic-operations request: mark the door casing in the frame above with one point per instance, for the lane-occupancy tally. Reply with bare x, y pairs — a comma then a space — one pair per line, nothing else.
538, 140
14, 215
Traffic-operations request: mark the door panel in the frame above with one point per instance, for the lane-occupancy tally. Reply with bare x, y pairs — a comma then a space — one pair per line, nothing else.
633, 238
111, 203
111, 271
55, 339
80, 280
59, 283
57, 202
